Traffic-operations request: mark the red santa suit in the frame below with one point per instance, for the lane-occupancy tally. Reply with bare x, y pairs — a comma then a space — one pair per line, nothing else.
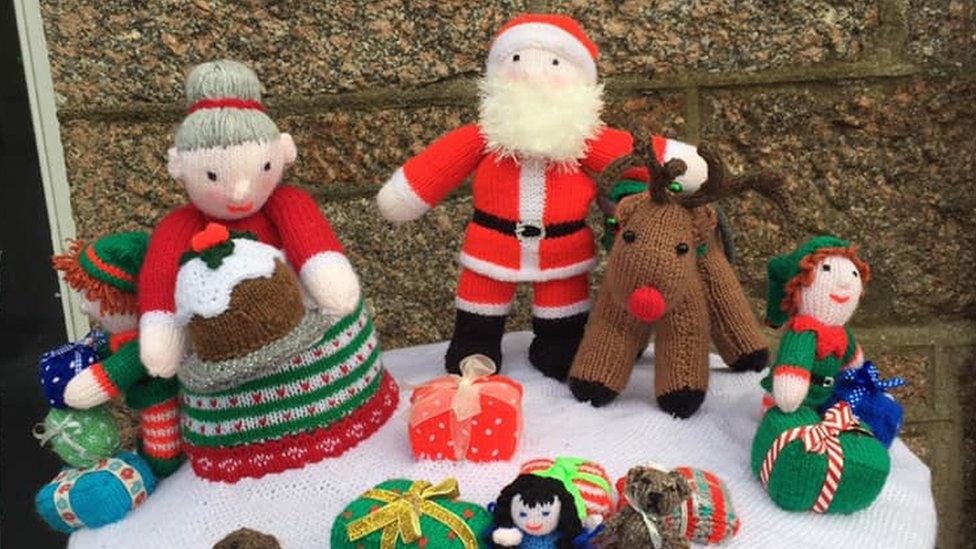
529, 221
290, 220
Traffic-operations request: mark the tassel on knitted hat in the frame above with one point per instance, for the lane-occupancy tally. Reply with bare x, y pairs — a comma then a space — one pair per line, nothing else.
782, 268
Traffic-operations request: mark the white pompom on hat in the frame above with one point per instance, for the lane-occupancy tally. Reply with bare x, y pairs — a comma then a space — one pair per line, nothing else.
559, 33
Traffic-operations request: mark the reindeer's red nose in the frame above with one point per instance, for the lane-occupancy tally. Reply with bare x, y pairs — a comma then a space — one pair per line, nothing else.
647, 304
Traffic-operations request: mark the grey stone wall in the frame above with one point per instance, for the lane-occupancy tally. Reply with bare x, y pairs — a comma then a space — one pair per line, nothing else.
869, 106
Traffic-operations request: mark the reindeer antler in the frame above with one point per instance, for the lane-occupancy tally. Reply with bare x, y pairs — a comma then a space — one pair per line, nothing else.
717, 186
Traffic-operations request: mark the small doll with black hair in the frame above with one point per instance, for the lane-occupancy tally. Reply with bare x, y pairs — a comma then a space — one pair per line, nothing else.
536, 512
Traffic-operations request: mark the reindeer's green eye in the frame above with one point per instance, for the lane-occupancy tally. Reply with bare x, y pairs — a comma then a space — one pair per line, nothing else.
675, 187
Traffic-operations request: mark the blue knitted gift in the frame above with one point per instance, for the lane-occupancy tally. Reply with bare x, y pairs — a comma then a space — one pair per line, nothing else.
867, 394
95, 496
59, 365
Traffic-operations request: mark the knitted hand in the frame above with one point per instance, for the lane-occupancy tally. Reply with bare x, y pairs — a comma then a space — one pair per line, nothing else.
789, 389
333, 285
507, 537
162, 344
84, 391
397, 202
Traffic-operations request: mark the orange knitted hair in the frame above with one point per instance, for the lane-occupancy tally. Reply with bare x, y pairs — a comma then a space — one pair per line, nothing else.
112, 300
808, 269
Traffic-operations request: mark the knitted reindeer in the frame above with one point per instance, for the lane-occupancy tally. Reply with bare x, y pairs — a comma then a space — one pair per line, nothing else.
668, 270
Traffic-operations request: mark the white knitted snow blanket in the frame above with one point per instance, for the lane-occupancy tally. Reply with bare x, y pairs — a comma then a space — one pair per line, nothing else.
298, 506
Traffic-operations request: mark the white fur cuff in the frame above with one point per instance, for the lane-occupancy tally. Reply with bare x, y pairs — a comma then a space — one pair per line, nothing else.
397, 200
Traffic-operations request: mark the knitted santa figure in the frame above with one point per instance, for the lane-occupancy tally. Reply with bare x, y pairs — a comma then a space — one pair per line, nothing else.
814, 290
538, 131
230, 157
104, 273
270, 384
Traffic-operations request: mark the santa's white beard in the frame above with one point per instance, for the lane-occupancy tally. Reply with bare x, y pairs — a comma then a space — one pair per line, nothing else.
531, 121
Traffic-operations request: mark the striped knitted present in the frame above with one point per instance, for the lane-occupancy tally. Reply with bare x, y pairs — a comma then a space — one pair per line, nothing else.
316, 404
586, 480
707, 517
828, 465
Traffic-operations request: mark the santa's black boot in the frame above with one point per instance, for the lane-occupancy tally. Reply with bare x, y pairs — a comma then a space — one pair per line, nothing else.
475, 334
555, 344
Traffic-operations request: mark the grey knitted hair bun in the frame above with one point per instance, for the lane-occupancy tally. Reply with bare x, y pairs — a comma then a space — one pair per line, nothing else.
227, 126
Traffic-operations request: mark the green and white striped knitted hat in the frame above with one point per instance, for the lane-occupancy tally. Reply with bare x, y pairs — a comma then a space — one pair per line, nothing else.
224, 102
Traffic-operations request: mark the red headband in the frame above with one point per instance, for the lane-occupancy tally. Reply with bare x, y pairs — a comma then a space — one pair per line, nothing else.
226, 103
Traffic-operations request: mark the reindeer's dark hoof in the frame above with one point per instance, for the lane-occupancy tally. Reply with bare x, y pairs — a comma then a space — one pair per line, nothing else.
595, 393
753, 362
681, 403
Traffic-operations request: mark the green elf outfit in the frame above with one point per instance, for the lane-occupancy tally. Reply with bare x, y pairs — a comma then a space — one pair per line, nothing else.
112, 263
806, 461
807, 344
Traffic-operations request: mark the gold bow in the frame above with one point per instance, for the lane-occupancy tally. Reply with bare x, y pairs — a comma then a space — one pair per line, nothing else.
400, 517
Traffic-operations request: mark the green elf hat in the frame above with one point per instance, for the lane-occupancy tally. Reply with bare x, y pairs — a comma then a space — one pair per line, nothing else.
782, 268
115, 259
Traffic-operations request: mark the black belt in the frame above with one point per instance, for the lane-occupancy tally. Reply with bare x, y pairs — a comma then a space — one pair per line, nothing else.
822, 381
526, 230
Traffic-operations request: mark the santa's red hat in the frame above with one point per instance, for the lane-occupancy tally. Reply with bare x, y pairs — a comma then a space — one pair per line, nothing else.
559, 33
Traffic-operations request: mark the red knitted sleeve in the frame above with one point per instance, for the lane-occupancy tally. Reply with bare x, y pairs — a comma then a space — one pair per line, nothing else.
303, 228
157, 278
610, 145
445, 164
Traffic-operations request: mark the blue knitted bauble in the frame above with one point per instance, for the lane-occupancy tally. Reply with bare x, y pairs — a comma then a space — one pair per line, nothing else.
60, 364
95, 496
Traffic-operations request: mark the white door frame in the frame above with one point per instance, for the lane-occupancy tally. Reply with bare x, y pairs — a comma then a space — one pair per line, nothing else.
47, 135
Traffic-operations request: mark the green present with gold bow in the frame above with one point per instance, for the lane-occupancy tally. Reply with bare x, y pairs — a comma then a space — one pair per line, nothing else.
406, 513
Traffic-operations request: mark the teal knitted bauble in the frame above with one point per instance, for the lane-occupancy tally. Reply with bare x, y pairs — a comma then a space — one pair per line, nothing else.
80, 437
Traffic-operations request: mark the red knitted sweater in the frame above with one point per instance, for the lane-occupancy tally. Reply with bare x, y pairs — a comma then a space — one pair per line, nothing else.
290, 220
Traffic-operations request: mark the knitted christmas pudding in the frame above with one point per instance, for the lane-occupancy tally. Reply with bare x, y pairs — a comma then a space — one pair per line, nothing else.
270, 385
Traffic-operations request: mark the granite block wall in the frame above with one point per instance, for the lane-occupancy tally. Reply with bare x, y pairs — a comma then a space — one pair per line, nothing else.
868, 106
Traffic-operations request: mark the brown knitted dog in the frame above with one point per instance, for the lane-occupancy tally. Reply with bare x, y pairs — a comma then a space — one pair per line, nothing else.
667, 269
651, 494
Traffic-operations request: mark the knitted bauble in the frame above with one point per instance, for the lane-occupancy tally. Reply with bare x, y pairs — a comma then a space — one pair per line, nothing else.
558, 33
97, 495
61, 364
801, 480
316, 403
782, 268
79, 437
586, 480
224, 100
411, 514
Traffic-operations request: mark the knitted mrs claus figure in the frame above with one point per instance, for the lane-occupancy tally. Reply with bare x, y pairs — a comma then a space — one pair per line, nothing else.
814, 290
230, 157
539, 130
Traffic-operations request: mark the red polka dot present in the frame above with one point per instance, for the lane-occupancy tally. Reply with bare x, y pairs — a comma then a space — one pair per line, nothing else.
475, 416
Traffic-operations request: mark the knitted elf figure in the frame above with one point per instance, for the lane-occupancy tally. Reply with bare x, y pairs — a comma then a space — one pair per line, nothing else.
104, 273
829, 462
230, 157
814, 290
538, 132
